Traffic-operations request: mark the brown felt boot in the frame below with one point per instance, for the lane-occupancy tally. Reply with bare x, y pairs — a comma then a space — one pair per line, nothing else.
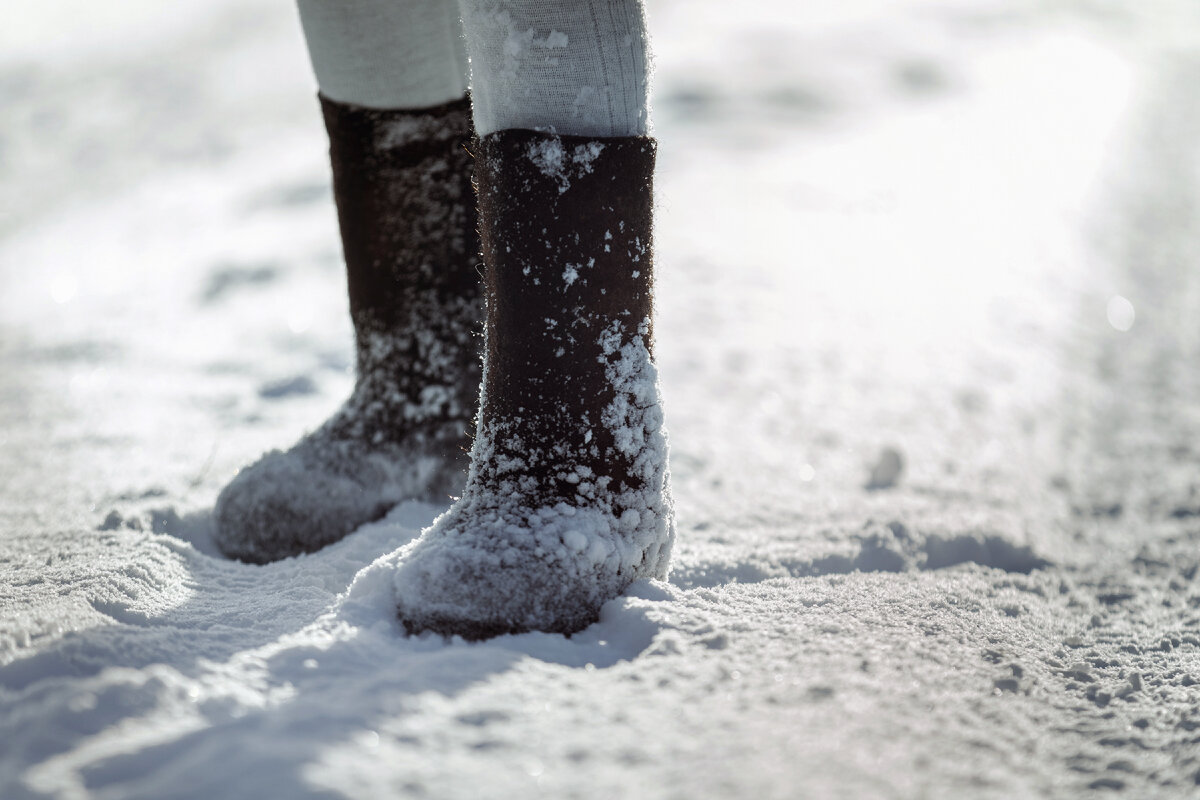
567, 500
407, 215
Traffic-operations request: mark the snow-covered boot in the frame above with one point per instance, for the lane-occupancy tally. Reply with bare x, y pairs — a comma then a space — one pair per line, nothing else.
406, 208
567, 499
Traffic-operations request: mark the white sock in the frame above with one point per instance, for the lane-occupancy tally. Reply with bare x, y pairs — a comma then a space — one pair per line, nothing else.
569, 66
386, 53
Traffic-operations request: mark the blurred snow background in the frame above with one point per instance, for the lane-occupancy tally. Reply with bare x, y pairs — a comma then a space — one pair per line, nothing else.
942, 249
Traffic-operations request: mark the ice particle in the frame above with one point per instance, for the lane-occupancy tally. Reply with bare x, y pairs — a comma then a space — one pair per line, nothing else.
1120, 313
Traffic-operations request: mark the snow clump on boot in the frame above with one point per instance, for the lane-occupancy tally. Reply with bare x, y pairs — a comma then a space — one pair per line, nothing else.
500, 561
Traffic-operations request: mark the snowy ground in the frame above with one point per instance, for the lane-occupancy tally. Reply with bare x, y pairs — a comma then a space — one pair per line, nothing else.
962, 230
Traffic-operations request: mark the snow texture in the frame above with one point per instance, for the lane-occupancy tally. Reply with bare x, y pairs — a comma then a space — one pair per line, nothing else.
883, 225
553, 160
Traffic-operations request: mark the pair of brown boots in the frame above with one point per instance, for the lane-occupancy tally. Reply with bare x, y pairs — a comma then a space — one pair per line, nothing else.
566, 498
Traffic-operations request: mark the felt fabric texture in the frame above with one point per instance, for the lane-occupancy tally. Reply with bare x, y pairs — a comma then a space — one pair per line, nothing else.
566, 226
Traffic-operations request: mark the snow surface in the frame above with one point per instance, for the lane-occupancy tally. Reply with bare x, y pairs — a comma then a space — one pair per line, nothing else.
960, 231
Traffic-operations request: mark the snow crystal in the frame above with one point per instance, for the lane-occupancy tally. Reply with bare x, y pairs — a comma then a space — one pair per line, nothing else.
550, 156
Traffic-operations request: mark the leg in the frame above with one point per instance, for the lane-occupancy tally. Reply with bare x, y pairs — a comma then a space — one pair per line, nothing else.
576, 67
392, 84
388, 54
567, 499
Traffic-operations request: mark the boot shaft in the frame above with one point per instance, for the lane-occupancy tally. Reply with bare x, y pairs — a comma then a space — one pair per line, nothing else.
566, 235
407, 213
406, 208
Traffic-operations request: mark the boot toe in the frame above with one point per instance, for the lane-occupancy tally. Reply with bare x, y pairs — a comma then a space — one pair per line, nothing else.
283, 506
483, 578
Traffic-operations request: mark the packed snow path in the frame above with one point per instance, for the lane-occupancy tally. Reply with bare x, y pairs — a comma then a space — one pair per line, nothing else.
942, 249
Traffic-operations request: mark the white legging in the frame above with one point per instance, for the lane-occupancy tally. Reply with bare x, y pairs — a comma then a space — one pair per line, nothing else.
568, 66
